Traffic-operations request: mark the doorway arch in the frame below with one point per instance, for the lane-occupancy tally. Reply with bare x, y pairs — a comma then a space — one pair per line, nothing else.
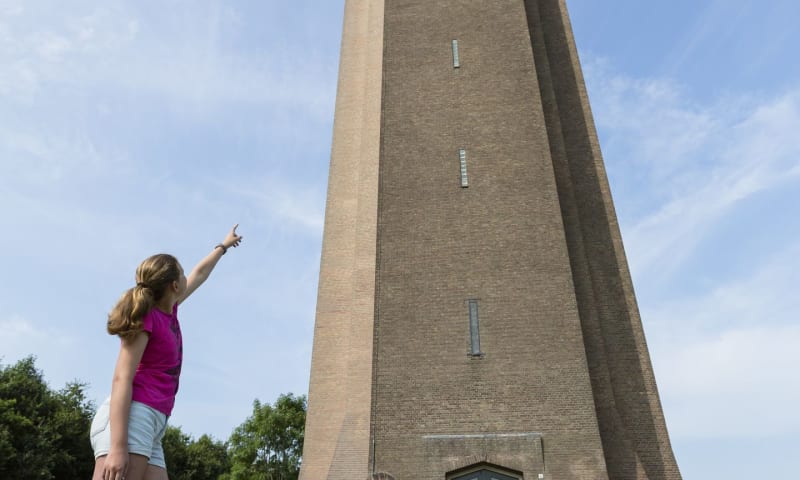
484, 472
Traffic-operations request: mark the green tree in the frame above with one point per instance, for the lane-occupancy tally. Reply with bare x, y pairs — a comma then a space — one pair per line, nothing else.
269, 444
208, 459
68, 429
44, 434
176, 451
189, 459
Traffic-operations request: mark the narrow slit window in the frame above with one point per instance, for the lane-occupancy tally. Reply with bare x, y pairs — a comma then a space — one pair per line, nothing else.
462, 157
456, 61
474, 332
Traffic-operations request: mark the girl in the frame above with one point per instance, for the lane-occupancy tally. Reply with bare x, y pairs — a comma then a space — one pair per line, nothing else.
127, 429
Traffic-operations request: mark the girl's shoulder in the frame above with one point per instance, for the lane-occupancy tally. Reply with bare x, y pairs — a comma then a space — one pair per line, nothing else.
156, 316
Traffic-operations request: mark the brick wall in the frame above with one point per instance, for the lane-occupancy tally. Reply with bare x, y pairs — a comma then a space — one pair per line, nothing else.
501, 241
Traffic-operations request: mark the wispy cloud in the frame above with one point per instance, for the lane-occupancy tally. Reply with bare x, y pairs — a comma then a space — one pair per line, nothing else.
725, 357
766, 296
40, 160
743, 39
687, 165
182, 56
20, 335
285, 200
107, 107
717, 21
742, 383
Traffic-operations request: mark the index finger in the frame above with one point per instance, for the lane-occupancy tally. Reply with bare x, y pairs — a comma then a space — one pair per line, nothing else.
233, 230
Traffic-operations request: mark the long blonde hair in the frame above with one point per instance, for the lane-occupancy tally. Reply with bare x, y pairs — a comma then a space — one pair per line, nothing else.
153, 277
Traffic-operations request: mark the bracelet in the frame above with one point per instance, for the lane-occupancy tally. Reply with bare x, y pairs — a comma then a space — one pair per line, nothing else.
223, 247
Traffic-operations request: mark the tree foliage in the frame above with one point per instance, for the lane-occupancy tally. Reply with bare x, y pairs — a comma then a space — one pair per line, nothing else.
189, 459
269, 444
44, 434
176, 446
208, 458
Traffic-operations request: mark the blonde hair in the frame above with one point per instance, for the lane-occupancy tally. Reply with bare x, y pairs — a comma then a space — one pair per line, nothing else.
153, 276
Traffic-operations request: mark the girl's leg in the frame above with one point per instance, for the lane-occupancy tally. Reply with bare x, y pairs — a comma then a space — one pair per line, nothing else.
99, 463
155, 473
137, 468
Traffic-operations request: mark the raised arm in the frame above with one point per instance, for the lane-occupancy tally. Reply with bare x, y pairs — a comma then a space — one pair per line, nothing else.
203, 269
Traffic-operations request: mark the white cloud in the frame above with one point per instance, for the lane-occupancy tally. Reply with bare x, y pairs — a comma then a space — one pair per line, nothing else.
8, 9
185, 63
740, 383
683, 166
16, 327
285, 200
717, 21
766, 296
648, 121
51, 46
747, 361
38, 160
22, 336
726, 358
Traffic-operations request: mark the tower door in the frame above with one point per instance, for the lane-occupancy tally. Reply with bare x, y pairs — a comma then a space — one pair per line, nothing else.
484, 475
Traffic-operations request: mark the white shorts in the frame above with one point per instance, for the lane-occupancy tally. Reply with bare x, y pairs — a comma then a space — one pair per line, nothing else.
146, 427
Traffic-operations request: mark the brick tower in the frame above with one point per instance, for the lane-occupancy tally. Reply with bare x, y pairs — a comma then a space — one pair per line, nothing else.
476, 317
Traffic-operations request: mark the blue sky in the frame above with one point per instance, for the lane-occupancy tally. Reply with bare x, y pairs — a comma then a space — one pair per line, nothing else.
130, 128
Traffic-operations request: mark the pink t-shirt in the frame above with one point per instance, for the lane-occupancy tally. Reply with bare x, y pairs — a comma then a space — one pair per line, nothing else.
156, 381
